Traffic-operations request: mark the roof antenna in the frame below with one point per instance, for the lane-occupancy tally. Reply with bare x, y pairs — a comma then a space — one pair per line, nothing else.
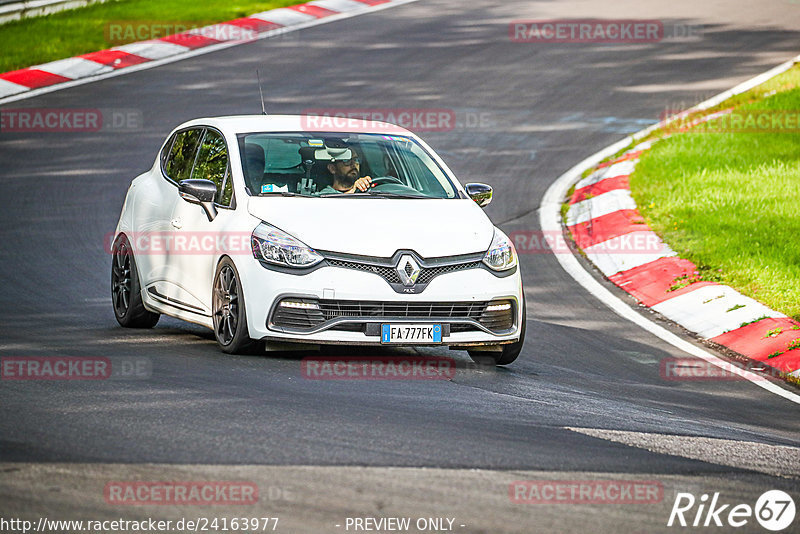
263, 110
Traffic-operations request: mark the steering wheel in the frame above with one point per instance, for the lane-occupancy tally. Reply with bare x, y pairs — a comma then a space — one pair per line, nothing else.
383, 180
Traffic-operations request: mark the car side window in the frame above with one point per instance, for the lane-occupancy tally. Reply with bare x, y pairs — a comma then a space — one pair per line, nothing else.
165, 152
212, 164
182, 154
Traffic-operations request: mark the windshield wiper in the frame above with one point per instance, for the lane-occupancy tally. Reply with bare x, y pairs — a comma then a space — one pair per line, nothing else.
281, 193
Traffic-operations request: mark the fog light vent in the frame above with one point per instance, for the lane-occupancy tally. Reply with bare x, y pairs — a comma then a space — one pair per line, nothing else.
498, 315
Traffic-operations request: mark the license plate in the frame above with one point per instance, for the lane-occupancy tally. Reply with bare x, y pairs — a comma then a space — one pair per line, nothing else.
411, 333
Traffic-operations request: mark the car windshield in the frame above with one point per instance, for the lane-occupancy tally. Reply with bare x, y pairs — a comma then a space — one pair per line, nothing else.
304, 164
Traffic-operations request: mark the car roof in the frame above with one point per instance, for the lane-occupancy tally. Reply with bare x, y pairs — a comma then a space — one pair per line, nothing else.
236, 124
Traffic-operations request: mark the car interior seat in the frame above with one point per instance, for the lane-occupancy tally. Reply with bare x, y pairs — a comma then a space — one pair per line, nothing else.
282, 174
254, 163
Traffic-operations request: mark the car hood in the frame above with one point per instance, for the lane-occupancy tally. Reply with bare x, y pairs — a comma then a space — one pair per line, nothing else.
379, 226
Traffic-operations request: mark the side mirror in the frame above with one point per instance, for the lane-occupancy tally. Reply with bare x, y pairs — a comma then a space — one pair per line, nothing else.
200, 192
480, 193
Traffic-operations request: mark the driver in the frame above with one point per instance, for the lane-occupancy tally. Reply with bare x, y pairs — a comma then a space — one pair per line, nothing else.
345, 169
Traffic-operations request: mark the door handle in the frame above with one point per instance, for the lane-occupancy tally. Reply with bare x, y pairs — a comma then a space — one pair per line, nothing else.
176, 222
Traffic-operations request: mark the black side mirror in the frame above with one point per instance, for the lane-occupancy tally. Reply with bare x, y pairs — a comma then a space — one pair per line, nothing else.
200, 192
480, 193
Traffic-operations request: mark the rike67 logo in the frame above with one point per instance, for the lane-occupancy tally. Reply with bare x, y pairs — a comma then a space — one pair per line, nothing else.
774, 510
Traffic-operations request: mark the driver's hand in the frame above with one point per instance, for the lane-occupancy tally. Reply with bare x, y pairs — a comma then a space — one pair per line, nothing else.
362, 184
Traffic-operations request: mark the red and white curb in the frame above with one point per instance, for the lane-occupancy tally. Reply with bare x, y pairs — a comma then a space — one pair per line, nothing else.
551, 220
604, 221
104, 63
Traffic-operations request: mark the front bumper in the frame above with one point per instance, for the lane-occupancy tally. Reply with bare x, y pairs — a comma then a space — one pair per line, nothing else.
264, 288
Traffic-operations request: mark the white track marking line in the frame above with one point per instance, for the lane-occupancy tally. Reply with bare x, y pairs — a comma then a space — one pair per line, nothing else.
550, 222
751, 455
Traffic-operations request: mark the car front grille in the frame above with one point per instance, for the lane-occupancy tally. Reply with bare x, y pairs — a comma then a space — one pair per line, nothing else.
310, 314
401, 310
389, 273
426, 275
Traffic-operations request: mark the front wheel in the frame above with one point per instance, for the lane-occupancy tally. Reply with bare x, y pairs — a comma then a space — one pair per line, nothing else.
510, 352
230, 317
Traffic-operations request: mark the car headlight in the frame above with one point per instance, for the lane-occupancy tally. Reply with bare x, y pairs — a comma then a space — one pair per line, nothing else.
279, 248
501, 255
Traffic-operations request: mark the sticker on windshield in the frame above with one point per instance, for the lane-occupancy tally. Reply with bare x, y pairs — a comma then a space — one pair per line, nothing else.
272, 188
315, 142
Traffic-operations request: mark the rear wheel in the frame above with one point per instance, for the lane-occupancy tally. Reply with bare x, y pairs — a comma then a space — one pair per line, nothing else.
230, 317
126, 293
509, 353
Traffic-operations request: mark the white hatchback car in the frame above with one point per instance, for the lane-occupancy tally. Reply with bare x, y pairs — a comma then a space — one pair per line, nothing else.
242, 226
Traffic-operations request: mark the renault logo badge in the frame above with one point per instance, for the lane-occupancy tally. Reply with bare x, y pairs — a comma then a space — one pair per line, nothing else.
408, 270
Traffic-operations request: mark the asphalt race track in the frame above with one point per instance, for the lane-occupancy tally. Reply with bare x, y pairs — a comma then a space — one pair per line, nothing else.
526, 112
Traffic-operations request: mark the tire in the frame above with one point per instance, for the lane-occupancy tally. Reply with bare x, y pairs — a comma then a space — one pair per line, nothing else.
510, 352
228, 311
126, 293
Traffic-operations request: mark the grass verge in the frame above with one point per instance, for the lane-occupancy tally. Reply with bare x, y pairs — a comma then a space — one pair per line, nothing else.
727, 197
79, 31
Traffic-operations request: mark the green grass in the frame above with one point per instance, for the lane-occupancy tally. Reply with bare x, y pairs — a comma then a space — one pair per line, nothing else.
78, 31
730, 201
